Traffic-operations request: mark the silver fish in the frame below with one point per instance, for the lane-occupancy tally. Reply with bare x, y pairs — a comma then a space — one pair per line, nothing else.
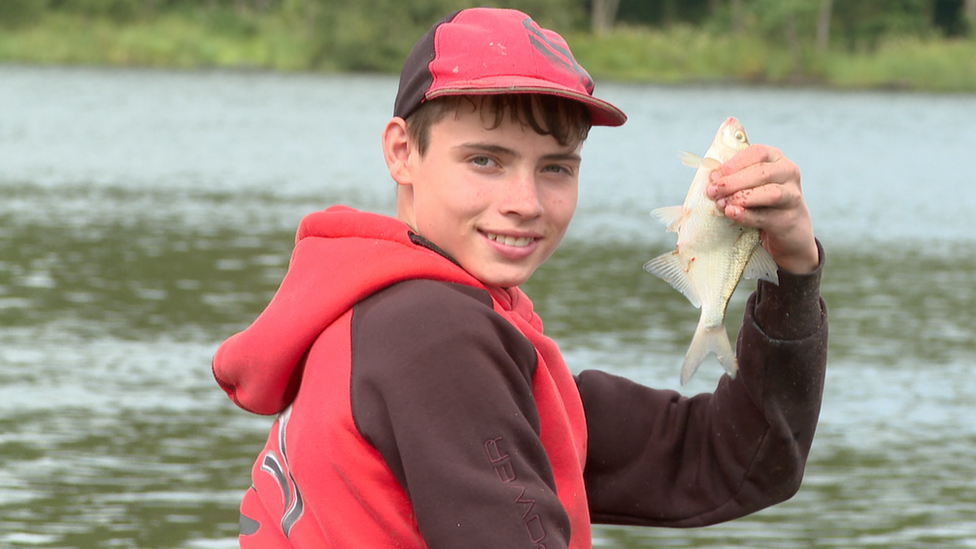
713, 253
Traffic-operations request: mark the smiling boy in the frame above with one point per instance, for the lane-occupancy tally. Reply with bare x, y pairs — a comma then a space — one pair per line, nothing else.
419, 402
495, 198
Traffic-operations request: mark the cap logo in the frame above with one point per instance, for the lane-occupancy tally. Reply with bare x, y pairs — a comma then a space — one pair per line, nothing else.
557, 54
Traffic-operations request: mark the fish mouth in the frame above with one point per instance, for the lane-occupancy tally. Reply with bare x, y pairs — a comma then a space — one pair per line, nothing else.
509, 240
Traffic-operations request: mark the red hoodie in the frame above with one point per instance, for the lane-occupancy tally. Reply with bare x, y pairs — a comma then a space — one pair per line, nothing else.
419, 408
299, 353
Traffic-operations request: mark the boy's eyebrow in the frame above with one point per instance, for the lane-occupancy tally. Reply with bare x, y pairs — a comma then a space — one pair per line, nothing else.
500, 150
489, 147
570, 157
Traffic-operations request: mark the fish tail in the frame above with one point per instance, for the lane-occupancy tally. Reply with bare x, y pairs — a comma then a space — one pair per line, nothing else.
709, 339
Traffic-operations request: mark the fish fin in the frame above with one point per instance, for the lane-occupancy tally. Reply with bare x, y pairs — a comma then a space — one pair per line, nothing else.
762, 266
668, 266
710, 163
707, 340
691, 160
670, 216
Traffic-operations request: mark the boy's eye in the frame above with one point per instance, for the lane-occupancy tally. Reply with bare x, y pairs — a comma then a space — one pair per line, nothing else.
482, 161
556, 168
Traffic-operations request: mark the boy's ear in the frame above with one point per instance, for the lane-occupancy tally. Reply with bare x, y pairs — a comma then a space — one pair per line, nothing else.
396, 150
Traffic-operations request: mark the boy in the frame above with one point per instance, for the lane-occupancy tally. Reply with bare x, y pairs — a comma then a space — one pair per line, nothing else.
419, 403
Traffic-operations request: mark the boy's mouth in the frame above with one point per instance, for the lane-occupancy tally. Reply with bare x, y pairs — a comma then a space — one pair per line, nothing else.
514, 241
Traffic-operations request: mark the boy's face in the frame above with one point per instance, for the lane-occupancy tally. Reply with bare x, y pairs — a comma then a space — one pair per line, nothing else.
497, 200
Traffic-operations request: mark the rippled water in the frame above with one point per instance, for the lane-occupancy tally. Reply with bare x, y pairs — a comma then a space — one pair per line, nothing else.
144, 216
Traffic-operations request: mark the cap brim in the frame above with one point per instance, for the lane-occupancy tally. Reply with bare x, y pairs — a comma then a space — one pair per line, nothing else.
602, 113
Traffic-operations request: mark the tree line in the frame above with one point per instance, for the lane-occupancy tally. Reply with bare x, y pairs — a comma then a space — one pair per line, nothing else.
375, 34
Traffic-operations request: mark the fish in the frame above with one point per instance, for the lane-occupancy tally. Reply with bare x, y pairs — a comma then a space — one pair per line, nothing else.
712, 255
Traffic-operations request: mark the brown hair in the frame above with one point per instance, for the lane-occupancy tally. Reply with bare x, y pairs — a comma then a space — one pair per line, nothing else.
566, 120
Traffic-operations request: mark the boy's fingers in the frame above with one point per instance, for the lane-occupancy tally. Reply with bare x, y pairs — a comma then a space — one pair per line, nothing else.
730, 179
752, 154
765, 196
750, 177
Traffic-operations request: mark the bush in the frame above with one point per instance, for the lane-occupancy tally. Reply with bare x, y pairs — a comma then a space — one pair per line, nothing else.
349, 35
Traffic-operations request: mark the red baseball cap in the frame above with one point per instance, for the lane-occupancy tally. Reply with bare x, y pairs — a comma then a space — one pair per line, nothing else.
483, 51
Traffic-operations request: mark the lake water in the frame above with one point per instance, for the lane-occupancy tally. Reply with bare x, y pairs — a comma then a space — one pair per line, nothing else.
146, 215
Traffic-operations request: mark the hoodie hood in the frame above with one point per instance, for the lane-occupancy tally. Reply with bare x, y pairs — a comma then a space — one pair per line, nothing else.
341, 256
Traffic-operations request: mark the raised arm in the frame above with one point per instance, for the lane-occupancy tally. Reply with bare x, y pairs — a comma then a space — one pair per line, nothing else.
658, 458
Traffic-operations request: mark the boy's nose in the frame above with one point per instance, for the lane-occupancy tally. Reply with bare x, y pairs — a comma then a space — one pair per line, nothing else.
521, 196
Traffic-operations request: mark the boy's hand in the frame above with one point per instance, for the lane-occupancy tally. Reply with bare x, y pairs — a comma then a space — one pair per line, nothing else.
759, 187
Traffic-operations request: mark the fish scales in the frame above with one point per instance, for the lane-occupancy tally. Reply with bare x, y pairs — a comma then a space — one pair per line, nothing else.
712, 255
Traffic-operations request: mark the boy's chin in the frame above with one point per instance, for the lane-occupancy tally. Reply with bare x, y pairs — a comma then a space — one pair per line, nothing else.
503, 278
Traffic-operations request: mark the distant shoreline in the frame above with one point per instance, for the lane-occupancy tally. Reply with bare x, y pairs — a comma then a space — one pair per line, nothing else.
680, 55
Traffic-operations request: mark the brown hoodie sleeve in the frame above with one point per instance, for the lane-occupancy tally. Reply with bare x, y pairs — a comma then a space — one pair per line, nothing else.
442, 388
658, 458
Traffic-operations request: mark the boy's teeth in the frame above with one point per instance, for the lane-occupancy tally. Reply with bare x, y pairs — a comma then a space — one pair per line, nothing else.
520, 242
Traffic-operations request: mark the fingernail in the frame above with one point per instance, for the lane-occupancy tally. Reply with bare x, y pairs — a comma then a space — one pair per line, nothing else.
711, 191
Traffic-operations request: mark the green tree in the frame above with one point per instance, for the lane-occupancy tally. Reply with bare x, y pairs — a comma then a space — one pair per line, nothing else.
117, 10
862, 24
18, 13
664, 13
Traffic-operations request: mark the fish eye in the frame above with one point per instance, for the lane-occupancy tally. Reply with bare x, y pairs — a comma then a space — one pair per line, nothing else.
740, 136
